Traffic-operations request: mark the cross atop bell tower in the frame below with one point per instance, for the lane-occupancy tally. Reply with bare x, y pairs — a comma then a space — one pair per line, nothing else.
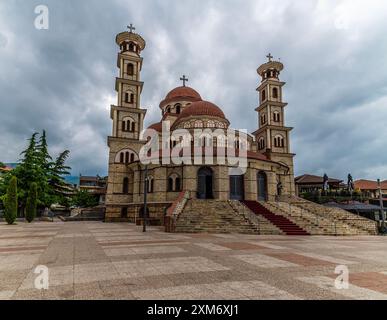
131, 28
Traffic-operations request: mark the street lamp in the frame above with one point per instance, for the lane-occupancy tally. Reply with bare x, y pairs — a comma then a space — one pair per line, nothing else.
145, 198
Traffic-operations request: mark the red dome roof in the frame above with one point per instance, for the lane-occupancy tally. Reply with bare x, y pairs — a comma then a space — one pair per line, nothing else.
181, 93
202, 108
158, 126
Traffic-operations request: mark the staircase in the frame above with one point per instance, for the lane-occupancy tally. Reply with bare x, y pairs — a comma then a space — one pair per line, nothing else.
349, 223
285, 225
212, 216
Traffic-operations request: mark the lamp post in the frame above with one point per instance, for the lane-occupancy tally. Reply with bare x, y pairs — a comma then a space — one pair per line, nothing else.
145, 199
381, 206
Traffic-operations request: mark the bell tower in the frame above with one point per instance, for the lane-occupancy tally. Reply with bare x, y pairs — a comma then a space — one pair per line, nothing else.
128, 118
273, 136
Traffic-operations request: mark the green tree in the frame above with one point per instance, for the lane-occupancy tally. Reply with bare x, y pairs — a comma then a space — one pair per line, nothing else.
2, 165
36, 166
84, 199
31, 205
11, 202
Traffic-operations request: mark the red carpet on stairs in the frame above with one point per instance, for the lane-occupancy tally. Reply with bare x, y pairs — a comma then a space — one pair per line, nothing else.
284, 224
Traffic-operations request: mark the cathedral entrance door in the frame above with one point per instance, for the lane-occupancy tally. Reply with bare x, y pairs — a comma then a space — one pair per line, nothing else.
205, 178
237, 188
262, 186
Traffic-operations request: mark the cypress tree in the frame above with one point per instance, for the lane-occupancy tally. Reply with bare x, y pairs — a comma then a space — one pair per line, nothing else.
11, 204
32, 203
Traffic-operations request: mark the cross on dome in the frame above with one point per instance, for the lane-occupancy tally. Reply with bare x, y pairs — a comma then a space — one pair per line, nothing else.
184, 79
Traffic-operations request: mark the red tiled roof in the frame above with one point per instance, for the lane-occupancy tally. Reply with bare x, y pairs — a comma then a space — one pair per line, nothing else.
6, 169
181, 93
202, 108
311, 179
363, 184
158, 126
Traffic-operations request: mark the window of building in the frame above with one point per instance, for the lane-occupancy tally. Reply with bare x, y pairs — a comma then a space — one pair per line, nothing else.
275, 93
276, 116
261, 143
178, 109
170, 184
125, 186
150, 184
174, 183
263, 95
263, 119
279, 142
130, 69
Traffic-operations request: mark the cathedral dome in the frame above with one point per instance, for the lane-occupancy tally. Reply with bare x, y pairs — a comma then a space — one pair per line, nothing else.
201, 114
181, 93
202, 108
158, 126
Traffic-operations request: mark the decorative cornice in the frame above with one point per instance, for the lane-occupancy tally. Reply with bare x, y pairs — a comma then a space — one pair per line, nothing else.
130, 36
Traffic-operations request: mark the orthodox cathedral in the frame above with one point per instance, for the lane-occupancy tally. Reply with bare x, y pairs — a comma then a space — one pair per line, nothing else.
269, 161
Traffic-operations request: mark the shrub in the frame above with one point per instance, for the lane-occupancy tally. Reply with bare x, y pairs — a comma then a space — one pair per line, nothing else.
10, 203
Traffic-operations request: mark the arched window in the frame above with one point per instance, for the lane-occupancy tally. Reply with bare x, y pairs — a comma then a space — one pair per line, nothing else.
276, 116
122, 157
275, 93
198, 124
263, 119
168, 110
178, 108
130, 69
177, 184
133, 127
132, 157
170, 184
263, 95
210, 124
131, 47
125, 186
279, 141
150, 184
174, 183
127, 157
261, 143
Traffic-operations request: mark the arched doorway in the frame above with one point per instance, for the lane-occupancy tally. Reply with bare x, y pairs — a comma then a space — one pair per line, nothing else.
237, 187
205, 183
262, 186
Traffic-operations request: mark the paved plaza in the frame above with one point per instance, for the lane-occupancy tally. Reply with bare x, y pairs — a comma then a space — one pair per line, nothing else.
95, 260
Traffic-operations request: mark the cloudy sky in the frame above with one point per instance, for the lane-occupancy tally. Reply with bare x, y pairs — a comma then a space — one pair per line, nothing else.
334, 51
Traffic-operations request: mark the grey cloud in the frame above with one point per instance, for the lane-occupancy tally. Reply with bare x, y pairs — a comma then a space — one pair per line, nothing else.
62, 79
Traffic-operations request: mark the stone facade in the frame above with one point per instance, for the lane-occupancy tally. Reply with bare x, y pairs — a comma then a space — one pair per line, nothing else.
269, 163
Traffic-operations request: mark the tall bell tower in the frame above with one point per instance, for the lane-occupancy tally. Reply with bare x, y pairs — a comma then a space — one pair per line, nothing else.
128, 118
273, 136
